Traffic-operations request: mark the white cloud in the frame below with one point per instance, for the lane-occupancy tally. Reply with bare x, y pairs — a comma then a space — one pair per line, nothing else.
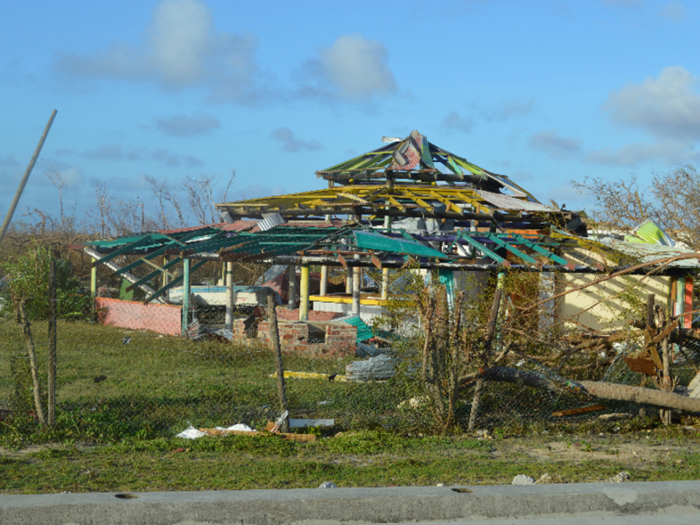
199, 123
667, 106
114, 152
181, 48
291, 143
674, 152
453, 121
554, 144
353, 69
674, 11
506, 110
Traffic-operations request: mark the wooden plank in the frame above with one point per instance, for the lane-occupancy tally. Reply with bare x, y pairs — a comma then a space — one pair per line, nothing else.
577, 411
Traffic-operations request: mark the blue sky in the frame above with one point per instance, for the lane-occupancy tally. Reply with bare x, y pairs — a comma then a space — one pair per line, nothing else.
544, 91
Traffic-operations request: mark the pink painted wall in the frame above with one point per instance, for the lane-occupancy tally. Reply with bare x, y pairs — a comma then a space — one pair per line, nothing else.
160, 318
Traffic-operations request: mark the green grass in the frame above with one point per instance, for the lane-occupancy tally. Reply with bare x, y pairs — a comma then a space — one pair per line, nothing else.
349, 460
117, 434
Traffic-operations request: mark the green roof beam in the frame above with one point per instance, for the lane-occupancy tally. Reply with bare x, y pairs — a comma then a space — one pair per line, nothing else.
484, 249
146, 239
172, 283
512, 249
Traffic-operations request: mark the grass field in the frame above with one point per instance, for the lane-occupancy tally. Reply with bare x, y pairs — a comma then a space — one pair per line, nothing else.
155, 386
349, 459
121, 404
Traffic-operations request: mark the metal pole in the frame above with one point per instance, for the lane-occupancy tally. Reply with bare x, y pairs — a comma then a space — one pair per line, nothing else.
185, 296
304, 300
25, 178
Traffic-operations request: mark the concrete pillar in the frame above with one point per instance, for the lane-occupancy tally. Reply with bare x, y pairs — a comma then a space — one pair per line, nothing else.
304, 299
292, 290
324, 280
185, 296
348, 281
228, 281
356, 279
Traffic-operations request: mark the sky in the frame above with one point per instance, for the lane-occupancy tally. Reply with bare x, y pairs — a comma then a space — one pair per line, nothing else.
546, 92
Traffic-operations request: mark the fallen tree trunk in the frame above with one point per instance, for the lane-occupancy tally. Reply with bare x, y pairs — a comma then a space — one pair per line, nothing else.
599, 389
638, 394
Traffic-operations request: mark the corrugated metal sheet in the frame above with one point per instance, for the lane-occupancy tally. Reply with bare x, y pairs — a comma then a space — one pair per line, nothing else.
504, 202
376, 241
364, 332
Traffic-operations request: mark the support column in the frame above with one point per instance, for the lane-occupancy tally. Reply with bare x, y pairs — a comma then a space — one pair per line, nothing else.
356, 290
228, 280
292, 289
304, 299
93, 282
185, 296
385, 271
348, 281
166, 277
324, 280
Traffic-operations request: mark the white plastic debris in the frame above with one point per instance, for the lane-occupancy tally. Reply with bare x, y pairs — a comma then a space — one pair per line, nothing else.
191, 433
328, 485
522, 479
238, 426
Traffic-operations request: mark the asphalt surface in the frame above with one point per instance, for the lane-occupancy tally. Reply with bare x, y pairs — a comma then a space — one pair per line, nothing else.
664, 502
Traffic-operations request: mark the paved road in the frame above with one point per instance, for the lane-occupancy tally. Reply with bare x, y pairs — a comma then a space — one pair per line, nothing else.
677, 519
676, 503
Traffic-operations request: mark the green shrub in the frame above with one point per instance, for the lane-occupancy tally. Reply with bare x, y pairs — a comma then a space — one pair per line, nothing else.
28, 278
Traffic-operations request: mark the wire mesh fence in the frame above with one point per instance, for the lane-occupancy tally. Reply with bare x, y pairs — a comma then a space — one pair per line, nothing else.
130, 381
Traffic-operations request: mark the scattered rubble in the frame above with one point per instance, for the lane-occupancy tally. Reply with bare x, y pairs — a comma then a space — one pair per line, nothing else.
522, 479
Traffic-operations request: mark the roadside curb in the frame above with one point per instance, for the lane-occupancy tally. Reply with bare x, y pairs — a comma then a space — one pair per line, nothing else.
368, 505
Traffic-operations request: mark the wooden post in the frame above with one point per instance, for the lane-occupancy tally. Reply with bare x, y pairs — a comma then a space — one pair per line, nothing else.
26, 328
324, 281
185, 296
490, 331
51, 383
275, 338
228, 280
304, 299
292, 290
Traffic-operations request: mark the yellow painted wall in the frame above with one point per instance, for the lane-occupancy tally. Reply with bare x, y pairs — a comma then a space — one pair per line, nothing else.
613, 306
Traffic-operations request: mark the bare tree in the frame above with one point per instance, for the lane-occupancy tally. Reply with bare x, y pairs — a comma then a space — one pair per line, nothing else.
672, 200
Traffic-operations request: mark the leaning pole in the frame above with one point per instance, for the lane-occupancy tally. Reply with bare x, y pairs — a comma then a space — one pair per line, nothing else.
23, 183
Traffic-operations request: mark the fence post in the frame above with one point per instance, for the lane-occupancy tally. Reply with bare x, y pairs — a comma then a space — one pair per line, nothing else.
185, 296
275, 338
490, 331
51, 384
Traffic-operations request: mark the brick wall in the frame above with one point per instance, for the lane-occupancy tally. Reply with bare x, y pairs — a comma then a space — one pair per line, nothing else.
314, 315
340, 338
160, 318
